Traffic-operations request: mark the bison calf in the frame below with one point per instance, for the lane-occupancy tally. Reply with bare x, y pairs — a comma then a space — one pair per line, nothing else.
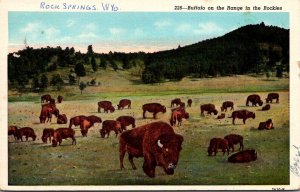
222, 116
226, 105
234, 139
27, 132
218, 143
266, 125
63, 133
243, 156
110, 125
266, 107
126, 121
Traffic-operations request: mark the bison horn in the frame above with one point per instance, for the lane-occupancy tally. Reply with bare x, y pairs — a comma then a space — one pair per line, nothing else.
159, 144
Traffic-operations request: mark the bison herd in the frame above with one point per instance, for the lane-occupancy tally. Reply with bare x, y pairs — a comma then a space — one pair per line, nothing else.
156, 142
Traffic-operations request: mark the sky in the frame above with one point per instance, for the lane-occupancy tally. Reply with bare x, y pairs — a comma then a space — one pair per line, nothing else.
127, 31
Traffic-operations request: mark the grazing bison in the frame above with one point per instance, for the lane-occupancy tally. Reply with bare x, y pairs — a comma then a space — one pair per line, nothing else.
272, 96
266, 125
243, 156
110, 125
189, 102
106, 105
226, 105
222, 116
47, 133
242, 114
12, 130
123, 103
62, 119
176, 102
47, 111
266, 107
126, 121
59, 99
84, 126
156, 142
153, 108
217, 143
63, 133
210, 108
45, 98
178, 115
234, 139
76, 120
254, 99
27, 132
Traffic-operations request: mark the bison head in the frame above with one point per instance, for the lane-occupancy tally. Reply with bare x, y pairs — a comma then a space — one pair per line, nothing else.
56, 112
209, 151
215, 112
54, 143
111, 109
119, 106
222, 108
44, 139
267, 100
169, 149
118, 126
102, 133
163, 109
260, 102
33, 137
186, 115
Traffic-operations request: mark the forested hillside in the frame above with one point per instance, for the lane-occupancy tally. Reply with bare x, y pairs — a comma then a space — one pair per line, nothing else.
251, 48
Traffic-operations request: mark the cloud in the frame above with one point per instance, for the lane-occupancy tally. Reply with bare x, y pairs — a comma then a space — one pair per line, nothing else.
51, 33
162, 24
31, 27
184, 27
70, 23
87, 36
116, 31
138, 32
90, 27
207, 28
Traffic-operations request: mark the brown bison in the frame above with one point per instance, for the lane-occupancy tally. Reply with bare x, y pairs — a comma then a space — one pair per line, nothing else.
234, 139
266, 125
47, 111
106, 105
217, 143
63, 133
47, 133
182, 104
222, 116
45, 98
227, 104
254, 99
178, 115
126, 121
52, 101
76, 120
156, 142
210, 108
176, 102
242, 114
84, 126
110, 125
59, 99
62, 119
272, 96
266, 107
189, 102
243, 156
123, 103
27, 132
94, 119
12, 130
153, 108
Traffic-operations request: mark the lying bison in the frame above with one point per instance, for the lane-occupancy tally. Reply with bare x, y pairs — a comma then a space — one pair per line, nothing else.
176, 102
123, 103
189, 102
242, 114
266, 125
47, 133
254, 99
153, 108
243, 156
178, 115
272, 96
106, 105
266, 107
62, 119
13, 130
222, 116
126, 121
234, 139
63, 133
217, 143
227, 104
27, 132
108, 126
210, 108
156, 142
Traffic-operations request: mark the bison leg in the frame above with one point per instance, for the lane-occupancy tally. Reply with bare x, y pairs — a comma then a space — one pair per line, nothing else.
149, 165
244, 121
130, 157
122, 151
73, 140
241, 146
99, 110
144, 111
154, 115
233, 121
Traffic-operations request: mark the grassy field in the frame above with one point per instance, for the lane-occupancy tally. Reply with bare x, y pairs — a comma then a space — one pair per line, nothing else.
95, 161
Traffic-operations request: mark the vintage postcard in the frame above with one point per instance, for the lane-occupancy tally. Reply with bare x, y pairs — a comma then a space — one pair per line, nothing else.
169, 95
